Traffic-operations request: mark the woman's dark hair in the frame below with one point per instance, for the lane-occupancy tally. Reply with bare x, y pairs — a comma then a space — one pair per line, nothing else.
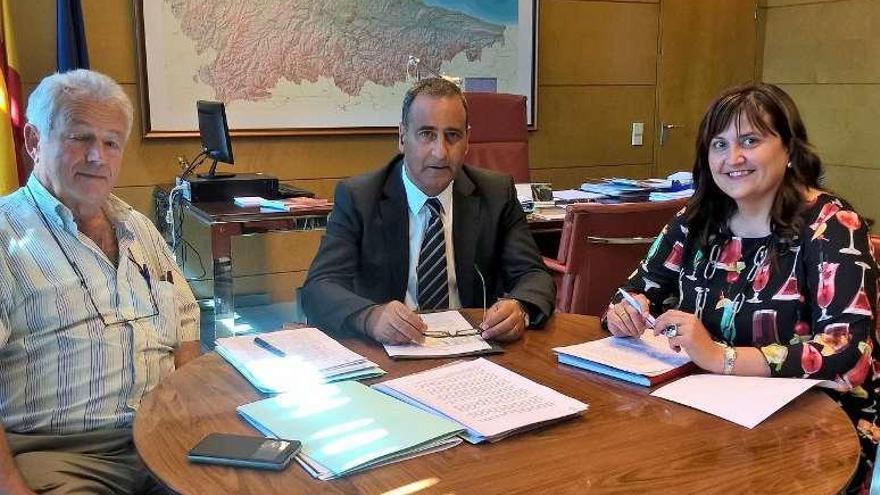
771, 111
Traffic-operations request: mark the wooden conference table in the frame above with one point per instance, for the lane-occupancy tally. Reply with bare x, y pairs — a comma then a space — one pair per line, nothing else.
627, 442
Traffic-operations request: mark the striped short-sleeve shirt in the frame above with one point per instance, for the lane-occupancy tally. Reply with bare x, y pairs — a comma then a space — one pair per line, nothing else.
61, 369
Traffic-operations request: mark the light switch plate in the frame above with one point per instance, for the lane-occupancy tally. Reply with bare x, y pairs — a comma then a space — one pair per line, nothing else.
638, 133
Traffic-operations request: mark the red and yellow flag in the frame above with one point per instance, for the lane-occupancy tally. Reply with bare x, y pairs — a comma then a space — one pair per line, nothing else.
12, 165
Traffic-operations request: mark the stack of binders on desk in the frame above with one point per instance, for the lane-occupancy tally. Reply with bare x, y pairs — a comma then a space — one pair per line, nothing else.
348, 427
488, 400
645, 361
288, 358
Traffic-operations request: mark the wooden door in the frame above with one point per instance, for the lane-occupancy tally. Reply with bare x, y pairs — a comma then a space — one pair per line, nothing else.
705, 47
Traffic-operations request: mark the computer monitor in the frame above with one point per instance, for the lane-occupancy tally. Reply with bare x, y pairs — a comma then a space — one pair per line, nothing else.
215, 135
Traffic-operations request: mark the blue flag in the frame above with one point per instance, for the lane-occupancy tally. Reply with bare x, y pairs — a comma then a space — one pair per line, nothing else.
70, 40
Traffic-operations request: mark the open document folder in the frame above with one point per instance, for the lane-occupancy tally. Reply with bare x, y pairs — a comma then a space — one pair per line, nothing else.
310, 355
645, 361
489, 400
348, 427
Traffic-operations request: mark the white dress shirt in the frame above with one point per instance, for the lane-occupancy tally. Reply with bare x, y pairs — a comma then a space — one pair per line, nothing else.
419, 214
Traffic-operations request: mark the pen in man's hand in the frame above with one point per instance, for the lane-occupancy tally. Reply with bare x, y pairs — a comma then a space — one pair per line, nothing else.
269, 347
635, 304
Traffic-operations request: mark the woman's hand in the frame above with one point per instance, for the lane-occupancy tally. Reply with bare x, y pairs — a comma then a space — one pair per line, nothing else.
692, 336
625, 320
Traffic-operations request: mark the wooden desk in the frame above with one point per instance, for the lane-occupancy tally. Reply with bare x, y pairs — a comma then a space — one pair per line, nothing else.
627, 442
225, 221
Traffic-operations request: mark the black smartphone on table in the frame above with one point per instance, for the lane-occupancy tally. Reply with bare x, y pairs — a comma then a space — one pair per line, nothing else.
244, 451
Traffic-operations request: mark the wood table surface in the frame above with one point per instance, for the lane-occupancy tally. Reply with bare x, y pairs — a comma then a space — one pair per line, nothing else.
627, 442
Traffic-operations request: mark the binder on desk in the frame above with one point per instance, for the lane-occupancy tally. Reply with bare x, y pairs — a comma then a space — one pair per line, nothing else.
645, 361
348, 427
490, 401
306, 354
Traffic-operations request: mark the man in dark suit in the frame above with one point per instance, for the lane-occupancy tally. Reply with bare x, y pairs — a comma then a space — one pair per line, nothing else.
421, 232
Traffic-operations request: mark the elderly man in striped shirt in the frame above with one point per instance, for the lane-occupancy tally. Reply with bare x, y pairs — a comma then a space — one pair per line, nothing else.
94, 312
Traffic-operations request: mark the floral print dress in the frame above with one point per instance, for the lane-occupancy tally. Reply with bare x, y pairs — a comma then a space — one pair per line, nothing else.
808, 306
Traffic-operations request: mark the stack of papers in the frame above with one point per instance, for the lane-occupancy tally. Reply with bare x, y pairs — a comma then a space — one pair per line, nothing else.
348, 427
246, 201
293, 204
666, 196
490, 401
311, 357
744, 400
462, 339
645, 361
575, 196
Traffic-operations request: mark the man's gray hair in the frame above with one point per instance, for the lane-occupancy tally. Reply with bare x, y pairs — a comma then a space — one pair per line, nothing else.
436, 87
57, 92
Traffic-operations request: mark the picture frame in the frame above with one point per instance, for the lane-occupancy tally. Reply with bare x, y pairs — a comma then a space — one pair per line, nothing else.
291, 68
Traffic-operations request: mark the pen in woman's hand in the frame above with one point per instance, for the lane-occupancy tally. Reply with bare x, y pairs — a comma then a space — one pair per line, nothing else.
635, 304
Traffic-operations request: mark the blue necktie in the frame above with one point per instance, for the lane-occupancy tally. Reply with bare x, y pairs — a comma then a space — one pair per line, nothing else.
431, 270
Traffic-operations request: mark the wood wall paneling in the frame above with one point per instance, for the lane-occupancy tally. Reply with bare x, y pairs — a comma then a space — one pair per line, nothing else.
591, 125
832, 42
826, 55
858, 186
790, 3
110, 36
699, 59
841, 121
597, 43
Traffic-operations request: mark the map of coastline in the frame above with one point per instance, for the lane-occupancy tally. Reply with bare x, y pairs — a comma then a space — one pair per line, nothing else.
255, 46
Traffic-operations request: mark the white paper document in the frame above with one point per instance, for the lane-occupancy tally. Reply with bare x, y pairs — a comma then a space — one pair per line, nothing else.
438, 347
524, 192
744, 400
552, 213
649, 355
311, 355
576, 195
487, 399
446, 322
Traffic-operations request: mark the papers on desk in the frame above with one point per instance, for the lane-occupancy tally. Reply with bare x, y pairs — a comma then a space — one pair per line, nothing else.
312, 356
524, 192
347, 427
744, 400
645, 361
575, 196
667, 196
293, 204
450, 323
554, 213
286, 204
245, 201
490, 401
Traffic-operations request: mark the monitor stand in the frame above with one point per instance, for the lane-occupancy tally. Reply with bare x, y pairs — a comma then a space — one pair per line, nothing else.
212, 173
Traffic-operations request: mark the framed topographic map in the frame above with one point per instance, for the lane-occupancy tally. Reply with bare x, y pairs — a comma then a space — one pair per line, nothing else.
322, 66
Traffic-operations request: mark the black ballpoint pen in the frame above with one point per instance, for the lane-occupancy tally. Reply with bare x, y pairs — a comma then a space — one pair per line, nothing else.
269, 347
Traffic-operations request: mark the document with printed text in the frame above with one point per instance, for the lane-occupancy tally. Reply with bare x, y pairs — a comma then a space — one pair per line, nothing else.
489, 400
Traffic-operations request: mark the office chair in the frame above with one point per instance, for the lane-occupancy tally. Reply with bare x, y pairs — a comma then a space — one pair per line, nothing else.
499, 137
601, 245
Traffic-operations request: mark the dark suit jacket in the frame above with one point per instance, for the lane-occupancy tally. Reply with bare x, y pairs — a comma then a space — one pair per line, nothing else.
364, 255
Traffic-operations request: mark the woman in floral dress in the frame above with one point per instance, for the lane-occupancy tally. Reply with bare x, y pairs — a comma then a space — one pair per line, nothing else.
764, 273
